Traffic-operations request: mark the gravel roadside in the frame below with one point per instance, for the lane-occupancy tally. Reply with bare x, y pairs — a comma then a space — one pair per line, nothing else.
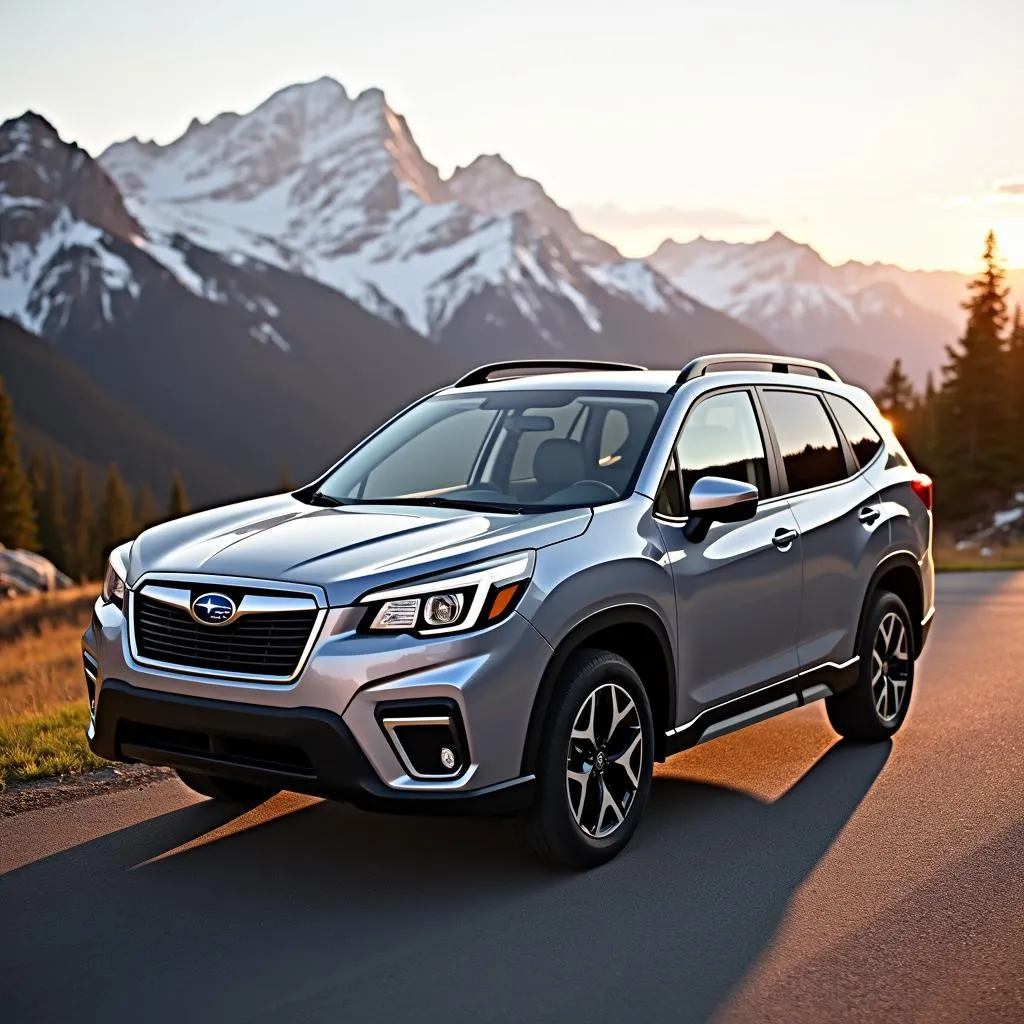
30, 796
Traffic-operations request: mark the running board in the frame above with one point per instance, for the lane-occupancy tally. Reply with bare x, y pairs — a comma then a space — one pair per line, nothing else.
764, 712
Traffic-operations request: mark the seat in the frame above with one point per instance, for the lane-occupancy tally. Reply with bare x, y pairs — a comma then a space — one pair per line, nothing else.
557, 463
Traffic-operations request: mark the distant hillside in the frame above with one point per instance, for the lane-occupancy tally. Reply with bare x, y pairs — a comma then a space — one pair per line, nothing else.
61, 412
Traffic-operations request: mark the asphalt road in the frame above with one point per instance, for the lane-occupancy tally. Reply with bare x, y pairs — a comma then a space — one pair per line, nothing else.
778, 876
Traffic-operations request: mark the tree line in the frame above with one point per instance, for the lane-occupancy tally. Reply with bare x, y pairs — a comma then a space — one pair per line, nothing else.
71, 529
968, 432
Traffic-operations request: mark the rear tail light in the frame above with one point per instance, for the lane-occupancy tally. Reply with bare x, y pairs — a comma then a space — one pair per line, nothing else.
924, 489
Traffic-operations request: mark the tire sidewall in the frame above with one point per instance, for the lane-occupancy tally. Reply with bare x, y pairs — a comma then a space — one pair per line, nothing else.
884, 603
583, 674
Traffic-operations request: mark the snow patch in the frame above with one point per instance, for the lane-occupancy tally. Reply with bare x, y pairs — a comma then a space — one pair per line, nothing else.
265, 332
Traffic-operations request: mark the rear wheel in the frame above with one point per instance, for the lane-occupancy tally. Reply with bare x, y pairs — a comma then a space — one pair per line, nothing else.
594, 768
227, 791
877, 705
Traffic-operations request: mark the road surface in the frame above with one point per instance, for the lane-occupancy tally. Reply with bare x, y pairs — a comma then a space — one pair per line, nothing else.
778, 876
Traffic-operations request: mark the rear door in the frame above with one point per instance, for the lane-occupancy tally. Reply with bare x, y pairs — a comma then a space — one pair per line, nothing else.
839, 516
738, 590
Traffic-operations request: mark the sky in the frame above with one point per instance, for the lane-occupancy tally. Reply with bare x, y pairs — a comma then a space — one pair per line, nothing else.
873, 131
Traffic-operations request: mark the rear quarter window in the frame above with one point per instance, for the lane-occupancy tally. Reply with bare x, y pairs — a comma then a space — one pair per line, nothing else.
865, 441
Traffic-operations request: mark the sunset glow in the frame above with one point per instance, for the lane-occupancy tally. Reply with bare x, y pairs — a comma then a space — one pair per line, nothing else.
872, 132
1010, 235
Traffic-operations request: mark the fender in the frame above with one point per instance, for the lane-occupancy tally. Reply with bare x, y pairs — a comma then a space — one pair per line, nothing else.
574, 640
902, 558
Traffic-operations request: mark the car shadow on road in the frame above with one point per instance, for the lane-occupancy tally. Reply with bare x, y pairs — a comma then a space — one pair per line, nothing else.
326, 913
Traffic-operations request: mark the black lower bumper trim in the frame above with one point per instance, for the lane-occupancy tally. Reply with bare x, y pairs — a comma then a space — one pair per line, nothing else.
307, 750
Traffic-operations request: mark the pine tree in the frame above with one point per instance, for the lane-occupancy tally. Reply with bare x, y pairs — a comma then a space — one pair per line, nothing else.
922, 443
147, 512
975, 446
177, 502
1015, 353
116, 521
81, 530
897, 400
51, 511
17, 516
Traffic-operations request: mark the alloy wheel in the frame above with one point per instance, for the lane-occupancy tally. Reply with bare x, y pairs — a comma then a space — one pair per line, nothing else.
890, 667
604, 760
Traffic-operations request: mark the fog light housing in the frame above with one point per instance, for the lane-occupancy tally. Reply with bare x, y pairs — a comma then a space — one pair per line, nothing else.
428, 737
91, 669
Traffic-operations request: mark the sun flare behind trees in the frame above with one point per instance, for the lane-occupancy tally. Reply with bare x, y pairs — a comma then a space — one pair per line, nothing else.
969, 432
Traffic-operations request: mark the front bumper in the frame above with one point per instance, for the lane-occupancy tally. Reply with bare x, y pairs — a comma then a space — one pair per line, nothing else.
490, 677
307, 750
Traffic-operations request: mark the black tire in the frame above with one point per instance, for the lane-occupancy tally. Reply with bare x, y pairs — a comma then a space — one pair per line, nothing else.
876, 707
551, 828
228, 791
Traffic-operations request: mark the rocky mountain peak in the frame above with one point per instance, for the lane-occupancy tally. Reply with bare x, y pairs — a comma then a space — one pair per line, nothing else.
490, 184
40, 175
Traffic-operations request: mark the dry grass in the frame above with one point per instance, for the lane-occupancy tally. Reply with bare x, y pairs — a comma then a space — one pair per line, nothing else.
52, 743
999, 556
43, 713
40, 651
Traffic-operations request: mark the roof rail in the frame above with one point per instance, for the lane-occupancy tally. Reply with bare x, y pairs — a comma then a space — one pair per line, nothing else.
482, 374
779, 364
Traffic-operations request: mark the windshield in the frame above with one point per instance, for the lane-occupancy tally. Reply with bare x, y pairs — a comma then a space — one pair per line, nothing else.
510, 450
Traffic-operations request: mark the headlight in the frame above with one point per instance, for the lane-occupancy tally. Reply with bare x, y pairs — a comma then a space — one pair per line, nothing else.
113, 579
475, 597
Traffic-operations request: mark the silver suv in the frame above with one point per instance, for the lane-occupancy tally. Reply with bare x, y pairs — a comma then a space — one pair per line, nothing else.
522, 591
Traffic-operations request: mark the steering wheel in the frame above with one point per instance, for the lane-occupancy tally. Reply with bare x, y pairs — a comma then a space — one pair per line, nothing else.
607, 488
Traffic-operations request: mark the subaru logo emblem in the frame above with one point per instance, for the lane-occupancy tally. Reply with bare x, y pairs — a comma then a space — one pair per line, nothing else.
213, 609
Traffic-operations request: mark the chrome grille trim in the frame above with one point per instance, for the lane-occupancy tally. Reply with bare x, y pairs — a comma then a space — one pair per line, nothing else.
307, 598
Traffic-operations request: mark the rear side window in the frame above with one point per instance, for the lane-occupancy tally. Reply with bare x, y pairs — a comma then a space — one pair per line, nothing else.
864, 439
809, 446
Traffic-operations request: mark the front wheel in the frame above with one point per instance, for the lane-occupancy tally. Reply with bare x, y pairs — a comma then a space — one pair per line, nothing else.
228, 791
876, 706
595, 763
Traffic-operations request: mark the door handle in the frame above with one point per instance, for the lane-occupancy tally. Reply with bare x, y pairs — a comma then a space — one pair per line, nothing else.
869, 514
783, 539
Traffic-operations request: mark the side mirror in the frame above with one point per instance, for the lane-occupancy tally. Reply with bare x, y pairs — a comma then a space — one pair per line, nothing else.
714, 499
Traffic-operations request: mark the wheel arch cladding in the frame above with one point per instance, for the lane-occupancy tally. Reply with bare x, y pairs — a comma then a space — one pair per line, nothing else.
637, 635
900, 575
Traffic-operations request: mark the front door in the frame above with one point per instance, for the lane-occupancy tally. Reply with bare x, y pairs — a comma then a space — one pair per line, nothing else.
738, 591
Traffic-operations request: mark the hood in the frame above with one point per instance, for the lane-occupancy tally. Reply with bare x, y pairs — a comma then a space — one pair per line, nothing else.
346, 550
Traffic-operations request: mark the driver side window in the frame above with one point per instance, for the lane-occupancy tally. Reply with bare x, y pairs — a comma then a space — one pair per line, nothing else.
721, 437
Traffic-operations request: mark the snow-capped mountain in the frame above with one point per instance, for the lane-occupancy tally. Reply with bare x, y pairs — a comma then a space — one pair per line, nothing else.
335, 188
201, 358
491, 185
787, 292
60, 221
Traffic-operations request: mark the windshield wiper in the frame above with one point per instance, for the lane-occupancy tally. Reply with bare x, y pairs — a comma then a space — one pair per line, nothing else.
434, 502
327, 500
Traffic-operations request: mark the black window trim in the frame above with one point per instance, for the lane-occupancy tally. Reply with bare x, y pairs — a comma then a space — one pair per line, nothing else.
844, 446
768, 443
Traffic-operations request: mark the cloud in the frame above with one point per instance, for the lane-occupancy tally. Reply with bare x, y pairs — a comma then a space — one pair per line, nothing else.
1003, 192
610, 217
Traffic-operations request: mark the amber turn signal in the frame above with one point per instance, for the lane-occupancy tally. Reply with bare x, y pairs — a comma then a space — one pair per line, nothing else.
502, 599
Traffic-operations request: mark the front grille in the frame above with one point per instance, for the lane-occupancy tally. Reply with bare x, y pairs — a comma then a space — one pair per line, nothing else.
265, 644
